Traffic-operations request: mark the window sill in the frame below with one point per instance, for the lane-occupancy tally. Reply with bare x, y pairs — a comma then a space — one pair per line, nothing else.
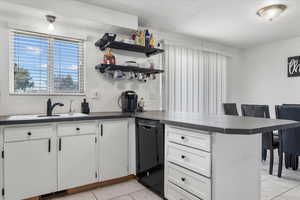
46, 94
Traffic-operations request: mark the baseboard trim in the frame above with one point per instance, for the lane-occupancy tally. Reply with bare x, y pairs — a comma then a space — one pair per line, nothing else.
90, 186
100, 184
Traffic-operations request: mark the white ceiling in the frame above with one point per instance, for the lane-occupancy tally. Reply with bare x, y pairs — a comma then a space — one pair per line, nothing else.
231, 22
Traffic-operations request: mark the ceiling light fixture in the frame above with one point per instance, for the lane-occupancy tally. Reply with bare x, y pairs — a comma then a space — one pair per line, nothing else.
272, 11
51, 20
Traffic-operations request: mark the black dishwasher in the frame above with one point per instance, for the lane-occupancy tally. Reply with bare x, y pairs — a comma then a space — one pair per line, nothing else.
150, 142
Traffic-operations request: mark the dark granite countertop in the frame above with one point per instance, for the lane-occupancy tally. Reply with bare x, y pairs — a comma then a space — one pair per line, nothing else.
6, 120
220, 123
214, 123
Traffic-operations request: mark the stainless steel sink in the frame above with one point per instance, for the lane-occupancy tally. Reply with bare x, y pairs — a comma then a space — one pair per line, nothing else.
32, 117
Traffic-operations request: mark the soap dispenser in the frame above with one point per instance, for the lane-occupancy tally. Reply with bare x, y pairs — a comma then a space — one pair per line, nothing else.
85, 108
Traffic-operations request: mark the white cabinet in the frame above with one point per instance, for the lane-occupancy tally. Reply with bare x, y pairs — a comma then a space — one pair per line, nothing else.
76, 156
30, 164
187, 164
1, 163
41, 159
113, 149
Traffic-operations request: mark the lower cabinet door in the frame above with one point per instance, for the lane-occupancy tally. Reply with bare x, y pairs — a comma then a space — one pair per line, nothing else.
1, 163
30, 169
76, 161
113, 149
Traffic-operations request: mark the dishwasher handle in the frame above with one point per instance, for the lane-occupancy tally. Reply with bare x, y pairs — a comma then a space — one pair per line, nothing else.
147, 126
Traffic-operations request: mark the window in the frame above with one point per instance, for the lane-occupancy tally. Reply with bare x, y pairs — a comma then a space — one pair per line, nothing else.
44, 64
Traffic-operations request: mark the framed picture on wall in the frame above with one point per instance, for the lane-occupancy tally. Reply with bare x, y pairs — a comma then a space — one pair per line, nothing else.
293, 66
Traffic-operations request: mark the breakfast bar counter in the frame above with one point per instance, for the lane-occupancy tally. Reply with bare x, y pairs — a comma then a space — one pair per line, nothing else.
207, 157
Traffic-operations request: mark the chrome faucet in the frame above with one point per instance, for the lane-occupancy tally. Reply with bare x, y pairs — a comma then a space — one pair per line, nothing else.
50, 107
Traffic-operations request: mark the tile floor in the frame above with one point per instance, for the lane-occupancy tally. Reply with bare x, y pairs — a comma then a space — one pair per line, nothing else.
130, 190
273, 188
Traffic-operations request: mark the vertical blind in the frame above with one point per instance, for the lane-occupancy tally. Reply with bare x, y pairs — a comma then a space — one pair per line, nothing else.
44, 64
195, 80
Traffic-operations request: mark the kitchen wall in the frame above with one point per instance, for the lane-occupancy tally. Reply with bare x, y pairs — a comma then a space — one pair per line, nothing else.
260, 75
107, 91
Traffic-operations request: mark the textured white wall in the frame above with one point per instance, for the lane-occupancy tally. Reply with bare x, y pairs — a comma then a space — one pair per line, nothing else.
260, 75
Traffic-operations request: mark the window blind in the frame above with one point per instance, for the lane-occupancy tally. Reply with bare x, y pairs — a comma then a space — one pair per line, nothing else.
195, 80
44, 64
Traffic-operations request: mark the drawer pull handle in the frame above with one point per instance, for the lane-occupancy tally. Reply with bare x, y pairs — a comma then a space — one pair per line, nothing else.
182, 137
183, 179
29, 133
49, 145
77, 129
59, 144
183, 156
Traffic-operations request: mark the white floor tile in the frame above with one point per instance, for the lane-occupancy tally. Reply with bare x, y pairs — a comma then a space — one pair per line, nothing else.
145, 195
78, 196
293, 194
274, 187
291, 175
126, 197
117, 190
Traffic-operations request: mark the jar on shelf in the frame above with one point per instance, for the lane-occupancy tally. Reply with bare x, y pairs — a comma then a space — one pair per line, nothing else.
108, 57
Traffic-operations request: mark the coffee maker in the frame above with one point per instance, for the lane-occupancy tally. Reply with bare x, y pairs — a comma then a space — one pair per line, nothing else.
128, 101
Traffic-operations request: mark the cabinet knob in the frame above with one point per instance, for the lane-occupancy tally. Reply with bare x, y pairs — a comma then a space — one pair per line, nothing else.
182, 179
183, 156
77, 129
182, 137
29, 133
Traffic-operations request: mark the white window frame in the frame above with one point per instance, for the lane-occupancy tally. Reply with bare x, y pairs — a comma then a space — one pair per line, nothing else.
50, 92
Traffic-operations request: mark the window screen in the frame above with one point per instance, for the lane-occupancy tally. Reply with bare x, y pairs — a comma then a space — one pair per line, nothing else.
44, 64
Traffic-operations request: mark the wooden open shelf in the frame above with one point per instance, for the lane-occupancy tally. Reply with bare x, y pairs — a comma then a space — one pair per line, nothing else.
106, 67
131, 47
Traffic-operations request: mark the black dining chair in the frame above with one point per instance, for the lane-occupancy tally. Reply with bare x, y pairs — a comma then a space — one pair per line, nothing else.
269, 141
289, 159
289, 138
230, 109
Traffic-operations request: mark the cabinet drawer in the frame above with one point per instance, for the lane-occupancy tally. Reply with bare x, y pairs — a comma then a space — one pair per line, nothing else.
192, 138
174, 192
193, 159
28, 133
189, 181
76, 129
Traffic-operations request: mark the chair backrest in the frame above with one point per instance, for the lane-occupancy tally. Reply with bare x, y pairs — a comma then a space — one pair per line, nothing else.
261, 111
230, 109
290, 138
250, 110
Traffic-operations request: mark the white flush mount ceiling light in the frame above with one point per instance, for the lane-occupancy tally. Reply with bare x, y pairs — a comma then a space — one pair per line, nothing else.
51, 20
272, 11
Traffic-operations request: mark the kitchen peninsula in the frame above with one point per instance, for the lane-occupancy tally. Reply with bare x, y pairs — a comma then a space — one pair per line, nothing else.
203, 153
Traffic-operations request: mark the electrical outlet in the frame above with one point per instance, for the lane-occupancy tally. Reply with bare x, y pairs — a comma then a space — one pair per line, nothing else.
95, 94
